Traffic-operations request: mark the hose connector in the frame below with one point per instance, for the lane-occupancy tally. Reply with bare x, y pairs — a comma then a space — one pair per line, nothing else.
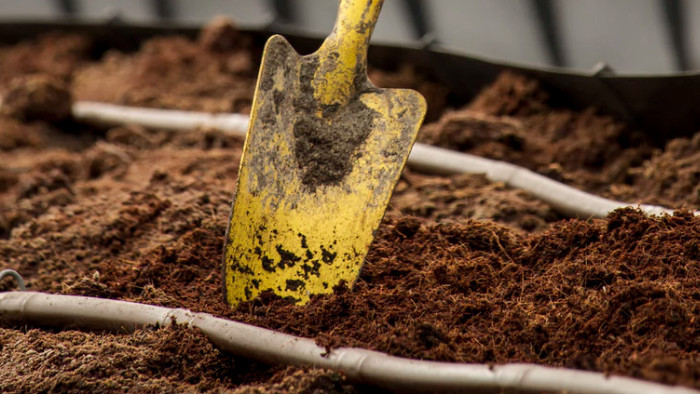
16, 276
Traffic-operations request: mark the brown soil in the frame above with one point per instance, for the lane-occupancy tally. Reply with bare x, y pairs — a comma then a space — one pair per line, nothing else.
57, 55
511, 120
172, 360
216, 73
461, 269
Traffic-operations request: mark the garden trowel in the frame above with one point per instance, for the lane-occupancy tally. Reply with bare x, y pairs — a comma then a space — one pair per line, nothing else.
323, 153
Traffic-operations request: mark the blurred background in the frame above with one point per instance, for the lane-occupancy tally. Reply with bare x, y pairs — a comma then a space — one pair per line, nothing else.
630, 36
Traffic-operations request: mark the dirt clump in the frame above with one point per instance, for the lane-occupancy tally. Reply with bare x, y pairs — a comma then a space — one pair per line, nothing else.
326, 148
37, 97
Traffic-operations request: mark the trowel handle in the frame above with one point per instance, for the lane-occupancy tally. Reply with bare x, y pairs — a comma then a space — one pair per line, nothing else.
354, 25
343, 54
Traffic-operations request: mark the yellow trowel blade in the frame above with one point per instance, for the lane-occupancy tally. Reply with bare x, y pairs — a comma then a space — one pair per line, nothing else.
323, 152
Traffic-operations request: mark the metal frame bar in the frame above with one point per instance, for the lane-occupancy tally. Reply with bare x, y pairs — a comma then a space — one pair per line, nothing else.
545, 11
676, 28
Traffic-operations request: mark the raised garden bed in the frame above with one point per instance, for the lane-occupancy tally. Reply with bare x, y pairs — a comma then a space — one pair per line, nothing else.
462, 269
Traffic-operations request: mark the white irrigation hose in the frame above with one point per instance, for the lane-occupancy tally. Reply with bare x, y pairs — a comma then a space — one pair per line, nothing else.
359, 365
563, 198
115, 115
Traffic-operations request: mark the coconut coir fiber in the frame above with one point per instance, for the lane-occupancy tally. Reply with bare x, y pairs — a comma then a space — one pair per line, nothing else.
140, 215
